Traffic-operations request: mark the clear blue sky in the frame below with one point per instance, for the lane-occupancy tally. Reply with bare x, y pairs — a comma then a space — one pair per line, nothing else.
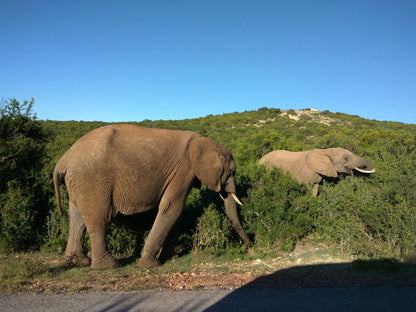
133, 60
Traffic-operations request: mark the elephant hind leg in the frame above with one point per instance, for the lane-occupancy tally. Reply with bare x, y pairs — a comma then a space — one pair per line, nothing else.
96, 224
101, 257
74, 254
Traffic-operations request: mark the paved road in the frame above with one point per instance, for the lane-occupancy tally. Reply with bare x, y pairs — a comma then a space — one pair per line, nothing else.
298, 299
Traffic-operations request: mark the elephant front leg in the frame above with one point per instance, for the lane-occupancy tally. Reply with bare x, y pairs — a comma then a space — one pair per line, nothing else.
315, 190
166, 219
168, 247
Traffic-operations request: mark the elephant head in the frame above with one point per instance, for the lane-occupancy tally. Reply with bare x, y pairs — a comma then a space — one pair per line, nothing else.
214, 166
311, 166
330, 162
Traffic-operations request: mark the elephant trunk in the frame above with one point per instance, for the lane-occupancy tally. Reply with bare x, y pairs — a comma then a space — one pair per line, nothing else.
230, 209
365, 166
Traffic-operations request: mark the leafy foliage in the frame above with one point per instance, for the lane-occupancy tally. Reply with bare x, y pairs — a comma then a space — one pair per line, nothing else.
18, 214
368, 216
278, 210
213, 231
373, 217
23, 202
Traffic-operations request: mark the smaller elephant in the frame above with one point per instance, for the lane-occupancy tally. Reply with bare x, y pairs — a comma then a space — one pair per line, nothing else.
313, 165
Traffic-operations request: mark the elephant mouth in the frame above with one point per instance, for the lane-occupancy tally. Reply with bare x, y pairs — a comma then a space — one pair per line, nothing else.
364, 170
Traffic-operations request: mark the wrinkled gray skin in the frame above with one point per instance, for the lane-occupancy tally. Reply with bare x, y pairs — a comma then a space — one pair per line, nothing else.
130, 169
311, 166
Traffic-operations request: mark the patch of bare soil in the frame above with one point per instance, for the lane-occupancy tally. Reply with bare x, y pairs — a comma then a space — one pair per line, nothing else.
309, 265
171, 281
313, 115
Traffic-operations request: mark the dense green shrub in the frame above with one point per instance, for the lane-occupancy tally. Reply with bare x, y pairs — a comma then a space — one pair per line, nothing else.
122, 239
18, 214
57, 229
373, 216
278, 210
23, 200
213, 231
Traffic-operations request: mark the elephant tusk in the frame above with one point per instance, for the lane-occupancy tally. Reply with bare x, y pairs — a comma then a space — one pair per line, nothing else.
365, 171
236, 199
221, 196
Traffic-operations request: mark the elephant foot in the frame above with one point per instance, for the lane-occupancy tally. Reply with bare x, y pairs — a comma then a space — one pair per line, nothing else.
147, 263
106, 262
77, 260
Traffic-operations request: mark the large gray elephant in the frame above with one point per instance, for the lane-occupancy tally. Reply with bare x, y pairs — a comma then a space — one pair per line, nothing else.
311, 166
130, 169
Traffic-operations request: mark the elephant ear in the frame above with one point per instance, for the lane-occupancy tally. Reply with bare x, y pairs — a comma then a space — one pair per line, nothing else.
320, 163
206, 163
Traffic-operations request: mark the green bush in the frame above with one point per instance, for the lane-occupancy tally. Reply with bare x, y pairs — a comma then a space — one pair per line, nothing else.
126, 234
57, 229
278, 210
17, 215
213, 231
121, 239
23, 201
372, 216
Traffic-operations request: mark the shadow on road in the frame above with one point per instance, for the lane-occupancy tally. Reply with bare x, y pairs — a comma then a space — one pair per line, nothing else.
370, 273
375, 285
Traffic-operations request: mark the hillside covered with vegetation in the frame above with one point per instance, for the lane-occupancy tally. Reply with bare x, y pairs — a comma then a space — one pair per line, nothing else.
371, 216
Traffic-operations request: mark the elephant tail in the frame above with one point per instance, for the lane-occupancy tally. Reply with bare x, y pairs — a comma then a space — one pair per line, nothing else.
56, 173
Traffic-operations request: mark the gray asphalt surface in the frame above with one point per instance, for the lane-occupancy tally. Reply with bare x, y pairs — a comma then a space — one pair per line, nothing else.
298, 299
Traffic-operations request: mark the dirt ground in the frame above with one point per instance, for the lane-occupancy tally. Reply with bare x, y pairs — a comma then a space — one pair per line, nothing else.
307, 266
